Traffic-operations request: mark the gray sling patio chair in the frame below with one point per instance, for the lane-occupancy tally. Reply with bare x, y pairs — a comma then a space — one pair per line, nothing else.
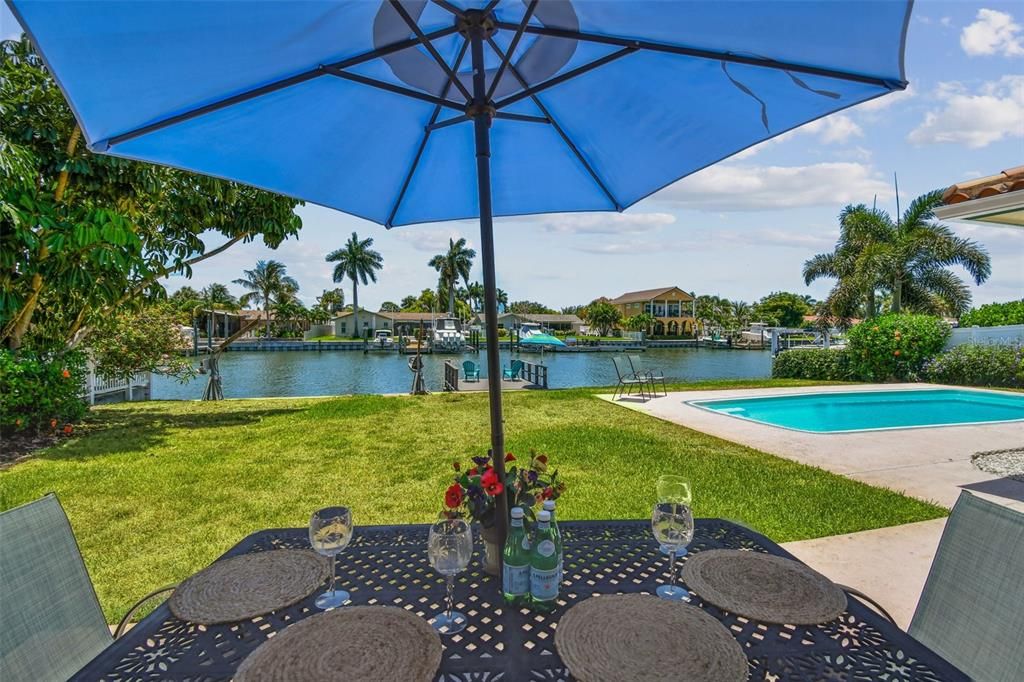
972, 608
51, 623
652, 375
627, 379
971, 611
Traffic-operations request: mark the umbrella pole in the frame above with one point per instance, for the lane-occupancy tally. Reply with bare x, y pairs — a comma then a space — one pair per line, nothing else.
478, 26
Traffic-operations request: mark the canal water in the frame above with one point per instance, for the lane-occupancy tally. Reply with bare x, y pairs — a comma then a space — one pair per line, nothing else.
257, 374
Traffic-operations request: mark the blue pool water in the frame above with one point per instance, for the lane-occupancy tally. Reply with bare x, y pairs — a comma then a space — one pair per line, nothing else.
864, 410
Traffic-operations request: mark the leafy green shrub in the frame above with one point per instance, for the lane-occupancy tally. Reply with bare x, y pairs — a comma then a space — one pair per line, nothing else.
895, 346
994, 315
978, 365
38, 388
813, 363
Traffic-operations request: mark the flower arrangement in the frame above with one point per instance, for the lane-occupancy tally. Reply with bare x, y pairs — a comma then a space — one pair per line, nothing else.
528, 485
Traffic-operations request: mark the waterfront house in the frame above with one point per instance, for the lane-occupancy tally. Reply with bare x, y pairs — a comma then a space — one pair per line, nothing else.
671, 307
400, 324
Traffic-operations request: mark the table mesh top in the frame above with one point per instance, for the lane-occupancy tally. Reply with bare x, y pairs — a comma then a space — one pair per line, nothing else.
387, 565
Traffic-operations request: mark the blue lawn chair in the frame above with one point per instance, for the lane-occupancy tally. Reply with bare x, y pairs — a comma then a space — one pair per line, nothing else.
513, 371
472, 370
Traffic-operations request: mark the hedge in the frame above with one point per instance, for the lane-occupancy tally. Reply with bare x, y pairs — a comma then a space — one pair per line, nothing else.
978, 365
895, 347
994, 315
40, 391
817, 364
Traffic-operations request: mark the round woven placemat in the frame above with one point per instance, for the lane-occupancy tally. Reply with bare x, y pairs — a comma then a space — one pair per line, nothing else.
249, 585
763, 587
349, 643
641, 637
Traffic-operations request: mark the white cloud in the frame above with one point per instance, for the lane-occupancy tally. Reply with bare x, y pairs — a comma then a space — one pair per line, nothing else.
429, 240
605, 223
946, 21
838, 128
731, 188
834, 129
788, 238
631, 248
993, 32
976, 120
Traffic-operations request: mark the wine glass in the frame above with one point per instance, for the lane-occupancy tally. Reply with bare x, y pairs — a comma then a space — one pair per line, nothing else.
674, 489
330, 531
449, 548
672, 524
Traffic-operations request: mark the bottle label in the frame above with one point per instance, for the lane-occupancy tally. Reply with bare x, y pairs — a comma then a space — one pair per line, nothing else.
544, 583
546, 548
516, 580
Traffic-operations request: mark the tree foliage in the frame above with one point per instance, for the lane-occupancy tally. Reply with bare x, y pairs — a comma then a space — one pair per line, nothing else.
994, 315
148, 340
82, 234
602, 315
359, 263
268, 285
452, 266
782, 309
907, 259
529, 308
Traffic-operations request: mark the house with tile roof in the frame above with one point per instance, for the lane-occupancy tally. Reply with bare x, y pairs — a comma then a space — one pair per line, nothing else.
671, 307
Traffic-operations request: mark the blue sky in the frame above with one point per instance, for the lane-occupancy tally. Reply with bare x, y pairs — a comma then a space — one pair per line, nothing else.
744, 227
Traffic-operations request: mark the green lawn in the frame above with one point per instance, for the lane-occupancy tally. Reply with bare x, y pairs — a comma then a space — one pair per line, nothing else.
155, 491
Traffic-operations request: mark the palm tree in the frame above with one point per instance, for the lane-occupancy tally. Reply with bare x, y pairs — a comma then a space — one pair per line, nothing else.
357, 261
452, 266
475, 292
502, 299
267, 283
742, 311
907, 259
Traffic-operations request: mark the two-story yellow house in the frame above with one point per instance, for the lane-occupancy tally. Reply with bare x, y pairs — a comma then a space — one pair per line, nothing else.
671, 308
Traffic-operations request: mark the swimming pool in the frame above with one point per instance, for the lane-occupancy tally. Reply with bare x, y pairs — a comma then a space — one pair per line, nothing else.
872, 410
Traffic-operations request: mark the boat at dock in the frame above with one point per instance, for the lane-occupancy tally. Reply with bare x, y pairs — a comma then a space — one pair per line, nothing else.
448, 335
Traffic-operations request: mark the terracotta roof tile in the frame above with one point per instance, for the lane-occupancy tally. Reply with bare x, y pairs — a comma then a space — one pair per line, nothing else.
1010, 180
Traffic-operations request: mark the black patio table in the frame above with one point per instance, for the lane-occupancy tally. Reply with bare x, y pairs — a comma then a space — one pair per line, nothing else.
387, 565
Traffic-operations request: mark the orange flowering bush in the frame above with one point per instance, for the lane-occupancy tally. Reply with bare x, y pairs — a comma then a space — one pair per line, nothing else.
895, 346
39, 389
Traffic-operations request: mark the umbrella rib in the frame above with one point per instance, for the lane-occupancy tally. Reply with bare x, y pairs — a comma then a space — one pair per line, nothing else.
423, 142
887, 83
561, 133
106, 144
507, 57
568, 75
521, 117
397, 89
452, 77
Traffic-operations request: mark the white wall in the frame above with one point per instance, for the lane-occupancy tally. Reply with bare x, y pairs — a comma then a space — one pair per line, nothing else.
1008, 334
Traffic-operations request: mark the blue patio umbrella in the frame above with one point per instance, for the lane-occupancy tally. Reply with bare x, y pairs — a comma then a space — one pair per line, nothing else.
408, 111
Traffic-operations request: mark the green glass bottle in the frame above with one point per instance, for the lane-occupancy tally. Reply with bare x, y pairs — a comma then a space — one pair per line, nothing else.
515, 578
549, 506
544, 566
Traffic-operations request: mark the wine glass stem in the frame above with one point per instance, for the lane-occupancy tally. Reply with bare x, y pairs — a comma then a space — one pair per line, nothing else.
450, 599
672, 567
334, 573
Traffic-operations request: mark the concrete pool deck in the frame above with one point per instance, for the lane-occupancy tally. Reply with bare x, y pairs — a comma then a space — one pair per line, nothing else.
934, 463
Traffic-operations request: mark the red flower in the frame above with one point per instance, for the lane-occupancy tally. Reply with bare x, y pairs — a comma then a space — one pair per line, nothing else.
66, 374
53, 423
492, 486
509, 457
896, 353
17, 422
547, 493
543, 459
453, 496
68, 429
472, 472
456, 465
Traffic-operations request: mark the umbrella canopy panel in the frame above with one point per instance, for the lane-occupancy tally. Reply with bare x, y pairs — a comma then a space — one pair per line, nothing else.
343, 104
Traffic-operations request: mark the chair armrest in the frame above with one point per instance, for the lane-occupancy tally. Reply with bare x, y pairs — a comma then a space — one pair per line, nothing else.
131, 612
869, 601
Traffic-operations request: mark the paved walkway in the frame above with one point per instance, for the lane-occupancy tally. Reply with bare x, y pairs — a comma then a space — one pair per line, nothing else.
890, 564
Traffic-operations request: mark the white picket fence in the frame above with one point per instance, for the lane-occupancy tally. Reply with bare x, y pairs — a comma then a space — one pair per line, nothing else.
1010, 334
98, 387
